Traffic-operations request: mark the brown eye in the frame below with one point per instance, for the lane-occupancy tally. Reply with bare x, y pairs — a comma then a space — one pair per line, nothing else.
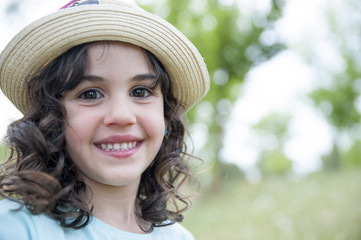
140, 93
90, 94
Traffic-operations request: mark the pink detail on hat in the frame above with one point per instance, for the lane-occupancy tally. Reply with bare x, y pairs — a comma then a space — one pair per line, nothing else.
68, 4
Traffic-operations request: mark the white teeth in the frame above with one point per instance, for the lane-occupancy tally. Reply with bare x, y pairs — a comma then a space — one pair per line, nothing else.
117, 146
123, 146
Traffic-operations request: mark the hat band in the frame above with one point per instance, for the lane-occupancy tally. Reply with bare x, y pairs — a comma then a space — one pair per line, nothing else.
75, 3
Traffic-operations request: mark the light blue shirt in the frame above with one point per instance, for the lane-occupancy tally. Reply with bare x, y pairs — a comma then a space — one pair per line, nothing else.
21, 225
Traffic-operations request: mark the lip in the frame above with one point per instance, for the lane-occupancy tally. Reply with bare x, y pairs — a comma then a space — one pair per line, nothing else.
119, 139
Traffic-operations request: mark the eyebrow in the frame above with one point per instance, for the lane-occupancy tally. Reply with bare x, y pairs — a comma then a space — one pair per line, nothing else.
137, 78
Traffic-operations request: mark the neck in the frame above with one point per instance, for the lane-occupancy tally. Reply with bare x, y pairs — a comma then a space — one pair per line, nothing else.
114, 205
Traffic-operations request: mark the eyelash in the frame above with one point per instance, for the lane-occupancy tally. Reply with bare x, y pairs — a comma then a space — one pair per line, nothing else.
144, 90
96, 94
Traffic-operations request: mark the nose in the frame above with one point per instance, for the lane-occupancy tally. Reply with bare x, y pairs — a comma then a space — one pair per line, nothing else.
119, 112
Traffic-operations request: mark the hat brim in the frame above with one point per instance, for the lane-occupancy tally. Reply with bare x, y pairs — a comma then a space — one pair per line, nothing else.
42, 41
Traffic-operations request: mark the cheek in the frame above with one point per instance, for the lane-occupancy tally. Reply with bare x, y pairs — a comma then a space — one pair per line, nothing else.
73, 141
77, 133
153, 123
79, 124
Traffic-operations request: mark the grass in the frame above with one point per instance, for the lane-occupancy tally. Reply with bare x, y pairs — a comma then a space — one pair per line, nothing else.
323, 206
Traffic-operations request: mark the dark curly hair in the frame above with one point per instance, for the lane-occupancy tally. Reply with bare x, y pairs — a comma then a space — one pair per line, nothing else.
40, 175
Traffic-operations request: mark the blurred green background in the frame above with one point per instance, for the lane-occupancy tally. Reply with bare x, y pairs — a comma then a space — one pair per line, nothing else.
276, 191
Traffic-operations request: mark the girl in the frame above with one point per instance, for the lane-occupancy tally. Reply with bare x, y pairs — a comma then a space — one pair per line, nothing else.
99, 153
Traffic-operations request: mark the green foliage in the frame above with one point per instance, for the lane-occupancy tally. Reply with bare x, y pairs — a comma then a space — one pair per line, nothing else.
232, 172
3, 152
332, 160
273, 132
342, 96
274, 163
275, 123
352, 158
322, 206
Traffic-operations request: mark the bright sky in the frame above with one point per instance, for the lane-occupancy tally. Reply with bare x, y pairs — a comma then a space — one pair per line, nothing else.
278, 85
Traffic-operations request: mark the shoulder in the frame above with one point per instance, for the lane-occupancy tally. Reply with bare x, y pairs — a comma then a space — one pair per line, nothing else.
28, 226
176, 232
9, 216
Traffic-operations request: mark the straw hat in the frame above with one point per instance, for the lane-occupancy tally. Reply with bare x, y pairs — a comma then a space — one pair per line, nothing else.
93, 20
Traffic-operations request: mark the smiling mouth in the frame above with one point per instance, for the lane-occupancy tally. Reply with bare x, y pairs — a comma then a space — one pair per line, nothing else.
124, 146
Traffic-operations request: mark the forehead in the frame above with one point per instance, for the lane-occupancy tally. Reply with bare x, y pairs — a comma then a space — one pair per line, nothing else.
112, 55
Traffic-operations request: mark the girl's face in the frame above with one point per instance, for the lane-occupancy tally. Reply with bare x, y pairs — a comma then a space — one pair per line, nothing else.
115, 119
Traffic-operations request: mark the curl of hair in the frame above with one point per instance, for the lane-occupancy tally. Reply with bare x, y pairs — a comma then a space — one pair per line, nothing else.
40, 175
